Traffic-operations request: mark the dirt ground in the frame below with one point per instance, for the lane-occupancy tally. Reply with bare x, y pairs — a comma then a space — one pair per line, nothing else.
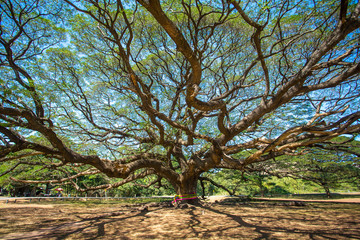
226, 220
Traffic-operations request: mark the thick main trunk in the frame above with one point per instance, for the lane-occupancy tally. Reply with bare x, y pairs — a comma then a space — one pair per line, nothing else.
186, 191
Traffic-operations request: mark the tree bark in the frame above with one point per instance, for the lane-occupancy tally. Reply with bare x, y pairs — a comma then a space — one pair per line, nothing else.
327, 190
186, 190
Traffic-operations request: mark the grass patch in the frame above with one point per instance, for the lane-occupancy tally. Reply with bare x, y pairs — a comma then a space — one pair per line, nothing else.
318, 196
88, 202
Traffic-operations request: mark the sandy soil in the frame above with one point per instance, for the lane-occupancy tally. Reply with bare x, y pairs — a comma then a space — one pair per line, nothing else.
228, 220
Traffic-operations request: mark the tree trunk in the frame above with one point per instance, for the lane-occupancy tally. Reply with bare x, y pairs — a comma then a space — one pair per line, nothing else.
47, 188
203, 189
262, 192
186, 191
327, 190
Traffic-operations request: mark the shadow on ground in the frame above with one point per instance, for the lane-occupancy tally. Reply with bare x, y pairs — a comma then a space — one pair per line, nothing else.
252, 221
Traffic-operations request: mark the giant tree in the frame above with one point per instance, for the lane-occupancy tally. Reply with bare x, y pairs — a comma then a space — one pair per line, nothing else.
172, 89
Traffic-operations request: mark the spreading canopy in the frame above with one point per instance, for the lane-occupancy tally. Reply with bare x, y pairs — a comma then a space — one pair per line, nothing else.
174, 88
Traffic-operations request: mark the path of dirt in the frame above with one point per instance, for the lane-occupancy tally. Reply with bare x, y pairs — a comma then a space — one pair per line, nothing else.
29, 205
235, 221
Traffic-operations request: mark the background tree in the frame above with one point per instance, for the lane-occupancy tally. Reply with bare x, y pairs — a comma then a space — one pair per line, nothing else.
174, 88
328, 169
332, 165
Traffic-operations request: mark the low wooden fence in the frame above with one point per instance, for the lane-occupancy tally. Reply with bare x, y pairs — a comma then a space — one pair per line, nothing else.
38, 199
